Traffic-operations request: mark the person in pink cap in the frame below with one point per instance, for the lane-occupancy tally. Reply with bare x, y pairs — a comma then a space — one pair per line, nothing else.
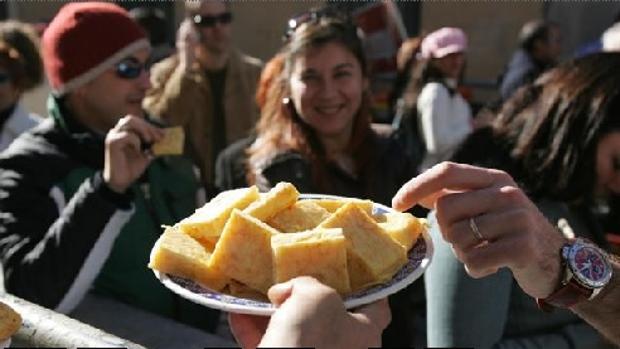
438, 115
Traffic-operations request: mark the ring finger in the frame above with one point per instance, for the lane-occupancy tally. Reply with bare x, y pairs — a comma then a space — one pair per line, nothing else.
491, 226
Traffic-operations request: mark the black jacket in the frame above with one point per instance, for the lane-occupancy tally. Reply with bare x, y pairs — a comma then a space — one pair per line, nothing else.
387, 170
63, 232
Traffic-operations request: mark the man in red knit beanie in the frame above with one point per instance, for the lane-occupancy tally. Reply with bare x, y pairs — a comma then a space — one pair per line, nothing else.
82, 199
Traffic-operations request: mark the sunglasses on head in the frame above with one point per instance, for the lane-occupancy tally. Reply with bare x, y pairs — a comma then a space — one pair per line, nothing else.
130, 68
314, 16
205, 21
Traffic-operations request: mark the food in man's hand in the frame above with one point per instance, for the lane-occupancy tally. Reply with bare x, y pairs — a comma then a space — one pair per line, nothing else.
171, 144
246, 242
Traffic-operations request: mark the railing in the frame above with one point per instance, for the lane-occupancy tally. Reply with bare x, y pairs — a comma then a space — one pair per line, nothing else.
42, 327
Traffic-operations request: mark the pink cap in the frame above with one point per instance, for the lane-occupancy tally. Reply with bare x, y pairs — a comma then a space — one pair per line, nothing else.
443, 42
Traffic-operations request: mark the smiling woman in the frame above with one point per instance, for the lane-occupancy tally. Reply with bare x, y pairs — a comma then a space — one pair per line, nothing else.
315, 132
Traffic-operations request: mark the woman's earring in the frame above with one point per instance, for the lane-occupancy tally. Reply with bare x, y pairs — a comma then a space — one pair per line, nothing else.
286, 101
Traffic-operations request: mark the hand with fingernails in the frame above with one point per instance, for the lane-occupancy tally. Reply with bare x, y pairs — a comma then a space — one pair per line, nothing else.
127, 153
489, 222
310, 314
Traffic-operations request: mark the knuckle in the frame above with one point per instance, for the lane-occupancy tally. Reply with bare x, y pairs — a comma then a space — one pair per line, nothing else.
503, 176
511, 194
444, 169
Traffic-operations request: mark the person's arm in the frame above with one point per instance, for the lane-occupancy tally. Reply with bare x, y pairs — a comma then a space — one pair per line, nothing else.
516, 234
433, 114
177, 83
52, 246
603, 311
311, 315
174, 92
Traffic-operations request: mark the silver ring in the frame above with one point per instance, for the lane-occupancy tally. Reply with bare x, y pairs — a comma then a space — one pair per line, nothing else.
475, 230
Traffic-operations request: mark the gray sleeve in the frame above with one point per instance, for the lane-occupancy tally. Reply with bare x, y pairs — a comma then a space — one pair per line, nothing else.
467, 312
461, 311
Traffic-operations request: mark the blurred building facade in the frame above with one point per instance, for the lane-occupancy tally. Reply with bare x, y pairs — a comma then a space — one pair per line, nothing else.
492, 27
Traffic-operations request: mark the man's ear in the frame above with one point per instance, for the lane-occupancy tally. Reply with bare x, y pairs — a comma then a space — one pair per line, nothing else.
366, 84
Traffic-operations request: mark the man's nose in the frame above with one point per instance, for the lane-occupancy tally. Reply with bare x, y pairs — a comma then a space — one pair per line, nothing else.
144, 80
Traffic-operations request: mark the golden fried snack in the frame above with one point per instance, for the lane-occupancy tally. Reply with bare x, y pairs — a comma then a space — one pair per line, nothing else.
10, 321
208, 221
403, 227
243, 251
320, 253
303, 215
171, 144
332, 205
179, 254
281, 196
372, 256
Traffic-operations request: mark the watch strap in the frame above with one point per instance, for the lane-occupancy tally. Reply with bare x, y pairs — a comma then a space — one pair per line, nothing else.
566, 296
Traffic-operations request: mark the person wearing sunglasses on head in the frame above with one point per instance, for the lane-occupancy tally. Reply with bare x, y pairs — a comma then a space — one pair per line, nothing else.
82, 199
315, 131
20, 70
208, 86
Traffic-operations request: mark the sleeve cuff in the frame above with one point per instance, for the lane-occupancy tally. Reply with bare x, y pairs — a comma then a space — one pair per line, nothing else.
122, 200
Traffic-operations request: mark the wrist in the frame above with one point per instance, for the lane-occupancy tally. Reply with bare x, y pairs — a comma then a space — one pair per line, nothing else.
120, 199
110, 185
586, 270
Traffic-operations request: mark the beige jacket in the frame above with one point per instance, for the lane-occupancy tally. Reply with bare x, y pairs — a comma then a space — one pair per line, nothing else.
185, 99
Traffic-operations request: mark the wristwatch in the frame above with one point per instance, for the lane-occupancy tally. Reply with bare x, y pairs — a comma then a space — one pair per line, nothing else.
586, 271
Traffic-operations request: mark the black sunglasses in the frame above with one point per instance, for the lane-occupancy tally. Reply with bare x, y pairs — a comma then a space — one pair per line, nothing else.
211, 21
314, 16
130, 68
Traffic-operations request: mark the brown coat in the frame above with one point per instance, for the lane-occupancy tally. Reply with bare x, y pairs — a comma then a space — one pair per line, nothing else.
185, 99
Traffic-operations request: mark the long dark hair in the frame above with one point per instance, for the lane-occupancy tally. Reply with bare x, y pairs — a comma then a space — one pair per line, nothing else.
549, 131
19, 54
280, 129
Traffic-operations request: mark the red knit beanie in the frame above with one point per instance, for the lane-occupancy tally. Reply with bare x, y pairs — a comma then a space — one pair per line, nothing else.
84, 40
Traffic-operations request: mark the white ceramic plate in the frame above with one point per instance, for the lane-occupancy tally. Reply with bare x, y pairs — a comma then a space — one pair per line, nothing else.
419, 257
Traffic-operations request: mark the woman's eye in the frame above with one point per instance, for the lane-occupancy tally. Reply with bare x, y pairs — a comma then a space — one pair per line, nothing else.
342, 74
309, 78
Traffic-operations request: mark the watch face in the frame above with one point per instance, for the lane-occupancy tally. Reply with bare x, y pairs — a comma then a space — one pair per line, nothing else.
589, 265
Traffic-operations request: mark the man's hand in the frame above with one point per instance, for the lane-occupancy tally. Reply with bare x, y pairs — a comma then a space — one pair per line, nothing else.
311, 314
125, 157
515, 233
187, 41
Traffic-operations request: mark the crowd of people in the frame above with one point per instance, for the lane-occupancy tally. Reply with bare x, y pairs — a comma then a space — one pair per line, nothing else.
514, 198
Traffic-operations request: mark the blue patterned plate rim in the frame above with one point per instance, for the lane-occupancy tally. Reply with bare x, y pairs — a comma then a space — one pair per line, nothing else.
419, 258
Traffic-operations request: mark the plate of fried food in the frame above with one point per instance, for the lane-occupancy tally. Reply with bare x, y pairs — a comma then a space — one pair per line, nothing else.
233, 249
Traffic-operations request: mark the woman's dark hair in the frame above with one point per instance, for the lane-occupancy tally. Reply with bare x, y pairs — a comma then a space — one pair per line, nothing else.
280, 129
19, 54
534, 31
550, 129
423, 72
